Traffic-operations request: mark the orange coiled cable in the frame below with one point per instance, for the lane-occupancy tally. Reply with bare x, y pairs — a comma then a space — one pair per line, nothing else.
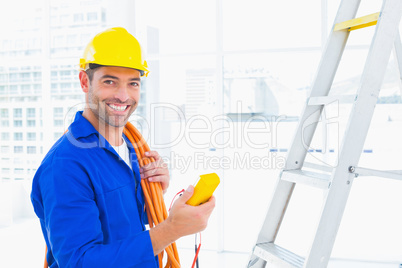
155, 206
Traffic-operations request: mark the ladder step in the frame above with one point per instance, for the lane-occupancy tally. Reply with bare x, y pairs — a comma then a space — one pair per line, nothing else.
324, 100
319, 180
358, 23
328, 169
278, 256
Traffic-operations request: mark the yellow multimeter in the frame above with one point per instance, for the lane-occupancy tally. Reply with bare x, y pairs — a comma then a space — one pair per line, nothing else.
204, 189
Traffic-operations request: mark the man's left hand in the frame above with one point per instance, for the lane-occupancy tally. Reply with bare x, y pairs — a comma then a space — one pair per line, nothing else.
156, 171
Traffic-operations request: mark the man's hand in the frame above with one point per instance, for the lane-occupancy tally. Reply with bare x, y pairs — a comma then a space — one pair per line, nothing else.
188, 219
156, 171
183, 220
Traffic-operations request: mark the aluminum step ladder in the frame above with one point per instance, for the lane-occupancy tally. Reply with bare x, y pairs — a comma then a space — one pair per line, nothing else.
338, 181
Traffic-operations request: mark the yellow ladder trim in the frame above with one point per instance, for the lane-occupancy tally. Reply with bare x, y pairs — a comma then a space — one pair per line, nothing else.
358, 23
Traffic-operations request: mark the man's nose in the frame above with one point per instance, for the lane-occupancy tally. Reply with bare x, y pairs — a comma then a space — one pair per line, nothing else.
122, 93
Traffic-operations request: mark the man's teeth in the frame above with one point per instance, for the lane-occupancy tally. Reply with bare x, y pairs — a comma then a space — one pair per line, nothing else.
118, 108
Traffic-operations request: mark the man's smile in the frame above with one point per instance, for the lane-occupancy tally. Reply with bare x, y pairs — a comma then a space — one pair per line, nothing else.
118, 107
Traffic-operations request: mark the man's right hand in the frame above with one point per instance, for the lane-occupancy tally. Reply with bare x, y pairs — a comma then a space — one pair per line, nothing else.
190, 219
183, 220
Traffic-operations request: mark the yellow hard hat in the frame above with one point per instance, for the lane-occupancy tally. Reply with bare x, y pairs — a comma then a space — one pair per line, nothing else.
114, 47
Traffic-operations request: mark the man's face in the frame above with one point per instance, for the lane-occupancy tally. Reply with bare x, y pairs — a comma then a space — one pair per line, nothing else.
113, 94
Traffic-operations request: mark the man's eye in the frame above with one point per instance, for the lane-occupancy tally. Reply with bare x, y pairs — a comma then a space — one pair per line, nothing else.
108, 82
135, 84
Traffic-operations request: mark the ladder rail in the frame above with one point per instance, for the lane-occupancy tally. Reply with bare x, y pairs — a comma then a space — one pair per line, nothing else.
398, 56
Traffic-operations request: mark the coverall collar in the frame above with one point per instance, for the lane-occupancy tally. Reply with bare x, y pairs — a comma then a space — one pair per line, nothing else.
81, 128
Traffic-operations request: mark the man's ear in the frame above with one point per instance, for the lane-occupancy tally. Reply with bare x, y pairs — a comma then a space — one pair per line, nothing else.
84, 81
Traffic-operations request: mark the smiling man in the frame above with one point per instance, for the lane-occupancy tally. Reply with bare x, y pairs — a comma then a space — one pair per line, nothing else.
87, 192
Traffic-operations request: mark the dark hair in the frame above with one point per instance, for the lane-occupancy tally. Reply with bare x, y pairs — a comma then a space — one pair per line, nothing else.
91, 70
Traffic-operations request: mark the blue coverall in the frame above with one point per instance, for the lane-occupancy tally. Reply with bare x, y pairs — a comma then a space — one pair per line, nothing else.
90, 203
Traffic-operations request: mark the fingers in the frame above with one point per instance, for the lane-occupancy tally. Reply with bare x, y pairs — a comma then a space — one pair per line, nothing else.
158, 163
157, 175
186, 195
153, 154
156, 171
209, 205
163, 179
157, 178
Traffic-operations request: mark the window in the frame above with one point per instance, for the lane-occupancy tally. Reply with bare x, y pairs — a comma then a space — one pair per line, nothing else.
13, 78
5, 136
92, 16
17, 123
25, 76
54, 87
72, 39
18, 161
3, 90
31, 113
31, 136
3, 113
18, 171
78, 17
4, 123
17, 113
31, 149
5, 149
18, 136
65, 87
5, 161
31, 123
26, 89
37, 88
3, 78
18, 149
37, 76
13, 89
58, 123
58, 112
53, 75
65, 75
